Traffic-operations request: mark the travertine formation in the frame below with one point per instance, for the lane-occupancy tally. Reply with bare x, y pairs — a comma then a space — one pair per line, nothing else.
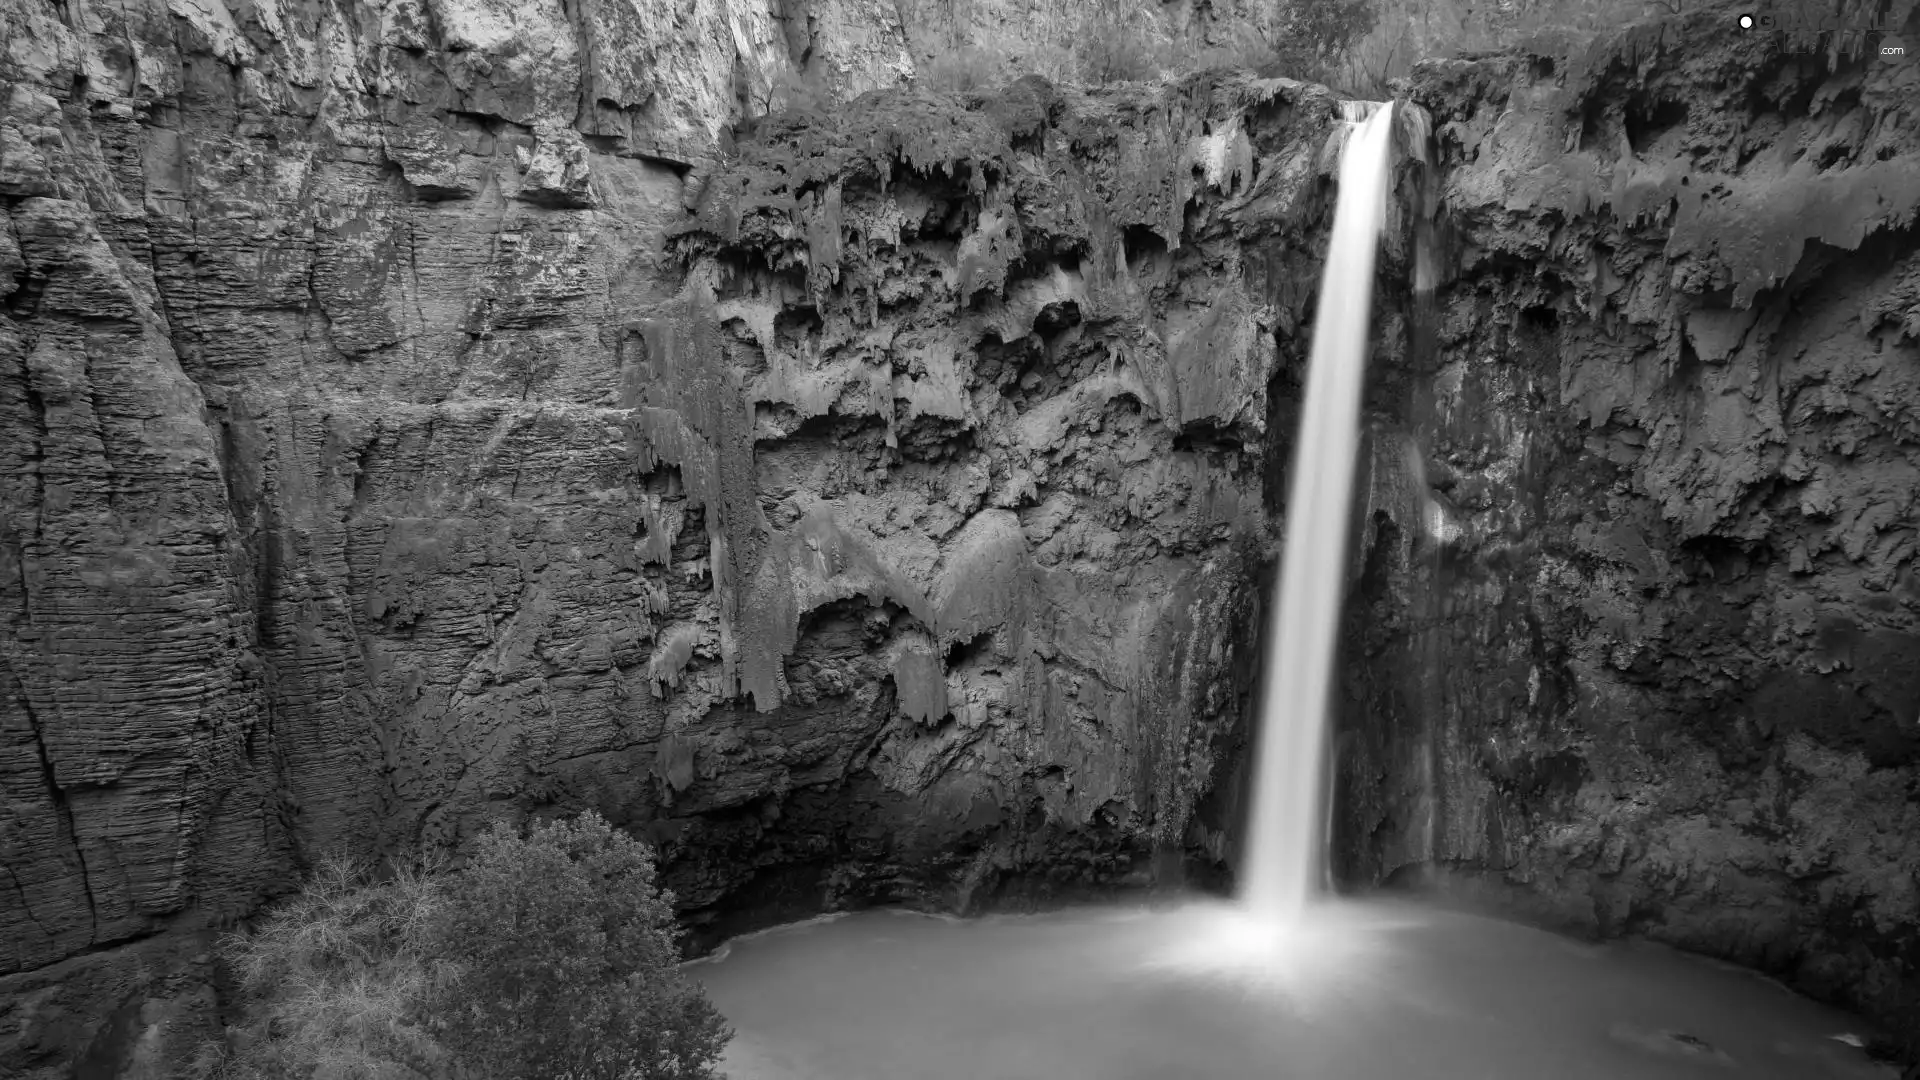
417, 415
1637, 645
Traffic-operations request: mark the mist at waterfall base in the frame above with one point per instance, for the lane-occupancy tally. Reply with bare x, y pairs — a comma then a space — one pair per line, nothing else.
1286, 984
1365, 990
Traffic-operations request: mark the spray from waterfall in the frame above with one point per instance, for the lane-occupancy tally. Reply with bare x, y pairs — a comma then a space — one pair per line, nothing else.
1287, 834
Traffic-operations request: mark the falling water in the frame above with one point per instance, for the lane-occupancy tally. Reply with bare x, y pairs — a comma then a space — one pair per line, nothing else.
1286, 837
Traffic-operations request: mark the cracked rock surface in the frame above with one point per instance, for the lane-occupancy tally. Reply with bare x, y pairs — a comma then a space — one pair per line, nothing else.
1638, 632
416, 415
413, 416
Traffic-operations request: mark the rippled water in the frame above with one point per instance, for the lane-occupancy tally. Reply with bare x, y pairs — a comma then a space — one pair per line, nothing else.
1360, 991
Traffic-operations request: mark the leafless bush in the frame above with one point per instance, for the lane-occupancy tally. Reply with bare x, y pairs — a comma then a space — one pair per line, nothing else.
550, 956
336, 976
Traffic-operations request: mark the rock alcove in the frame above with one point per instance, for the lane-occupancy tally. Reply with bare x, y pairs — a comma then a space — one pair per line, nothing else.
400, 433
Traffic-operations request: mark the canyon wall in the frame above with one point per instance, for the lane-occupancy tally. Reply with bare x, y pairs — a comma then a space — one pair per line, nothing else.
415, 416
1635, 645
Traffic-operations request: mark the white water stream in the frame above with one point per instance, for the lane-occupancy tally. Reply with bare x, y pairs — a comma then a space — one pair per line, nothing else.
1286, 836
1254, 991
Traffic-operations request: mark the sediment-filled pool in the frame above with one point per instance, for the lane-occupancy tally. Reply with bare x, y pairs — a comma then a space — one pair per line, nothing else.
1371, 990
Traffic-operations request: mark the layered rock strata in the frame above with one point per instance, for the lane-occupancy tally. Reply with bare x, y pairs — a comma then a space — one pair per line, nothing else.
414, 416
389, 450
1636, 644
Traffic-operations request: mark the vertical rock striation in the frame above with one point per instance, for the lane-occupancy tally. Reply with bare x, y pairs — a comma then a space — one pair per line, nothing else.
316, 490
389, 450
417, 415
1635, 645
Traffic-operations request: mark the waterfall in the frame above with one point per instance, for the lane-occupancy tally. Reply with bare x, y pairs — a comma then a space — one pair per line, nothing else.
1286, 852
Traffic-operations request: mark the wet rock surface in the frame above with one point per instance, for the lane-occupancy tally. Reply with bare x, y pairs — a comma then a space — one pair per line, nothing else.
1004, 365
1634, 648
414, 417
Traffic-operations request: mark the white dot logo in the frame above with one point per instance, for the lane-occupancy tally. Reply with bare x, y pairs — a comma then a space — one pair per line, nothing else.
1746, 22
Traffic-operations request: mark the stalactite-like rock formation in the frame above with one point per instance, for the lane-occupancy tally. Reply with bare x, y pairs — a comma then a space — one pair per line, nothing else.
1637, 645
411, 417
415, 415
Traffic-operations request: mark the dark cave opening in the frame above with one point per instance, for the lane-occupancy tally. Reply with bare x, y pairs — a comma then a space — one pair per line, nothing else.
1142, 243
1646, 121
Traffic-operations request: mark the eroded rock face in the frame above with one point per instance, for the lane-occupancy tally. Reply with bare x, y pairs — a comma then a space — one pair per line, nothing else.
1635, 647
372, 469
1002, 368
417, 416
239, 250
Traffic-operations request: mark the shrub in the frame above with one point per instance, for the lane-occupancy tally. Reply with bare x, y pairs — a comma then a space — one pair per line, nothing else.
550, 956
567, 960
335, 977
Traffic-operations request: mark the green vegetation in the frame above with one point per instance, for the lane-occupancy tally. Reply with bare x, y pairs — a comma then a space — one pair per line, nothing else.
334, 979
550, 956
566, 946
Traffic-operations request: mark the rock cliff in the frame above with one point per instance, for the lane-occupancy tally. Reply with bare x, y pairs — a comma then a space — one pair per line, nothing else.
1634, 647
420, 414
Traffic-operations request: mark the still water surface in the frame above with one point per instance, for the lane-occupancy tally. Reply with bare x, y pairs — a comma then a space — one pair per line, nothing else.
1361, 991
